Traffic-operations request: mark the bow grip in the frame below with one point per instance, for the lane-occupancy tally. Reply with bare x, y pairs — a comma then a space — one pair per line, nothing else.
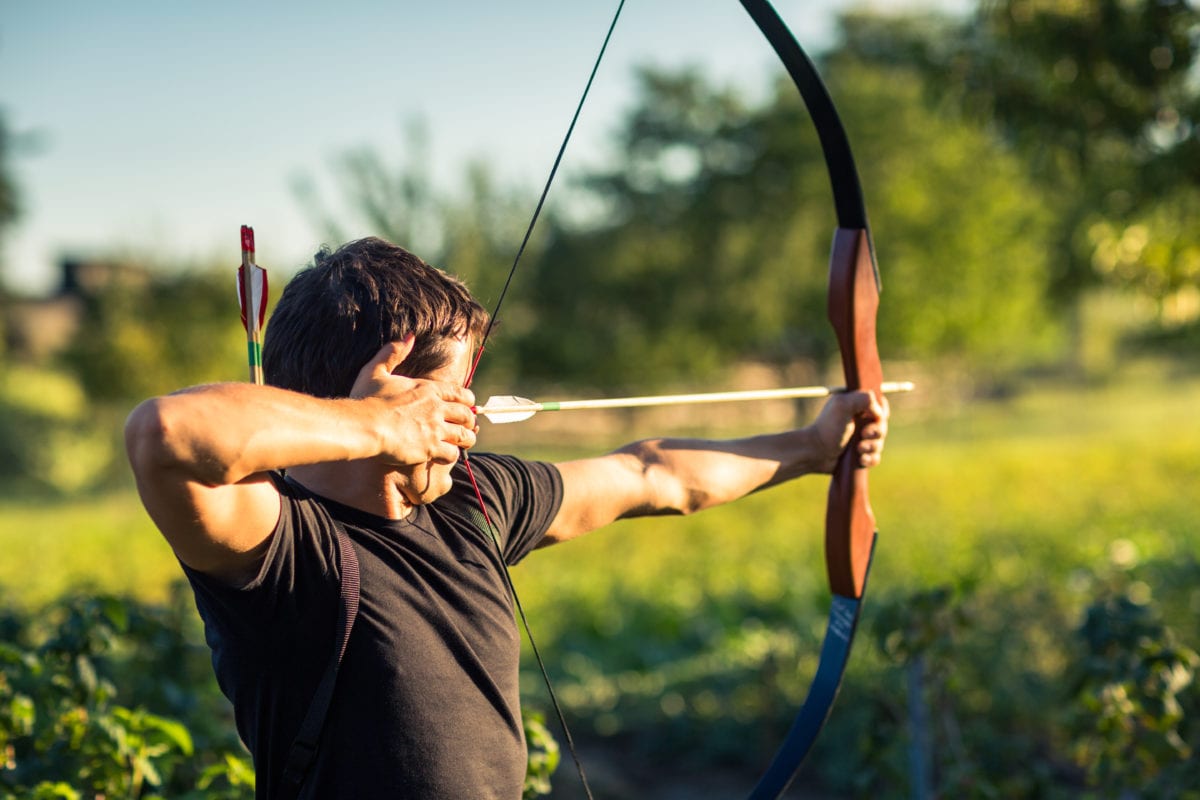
853, 303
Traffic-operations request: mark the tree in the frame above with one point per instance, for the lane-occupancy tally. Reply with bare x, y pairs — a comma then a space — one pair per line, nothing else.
10, 205
1100, 98
473, 235
704, 242
718, 225
147, 331
395, 202
10, 211
690, 264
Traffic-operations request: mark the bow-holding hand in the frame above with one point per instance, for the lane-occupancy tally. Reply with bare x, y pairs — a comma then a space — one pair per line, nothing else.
835, 425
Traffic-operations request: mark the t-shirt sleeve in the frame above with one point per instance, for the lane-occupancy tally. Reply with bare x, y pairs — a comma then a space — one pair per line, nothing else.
522, 499
297, 579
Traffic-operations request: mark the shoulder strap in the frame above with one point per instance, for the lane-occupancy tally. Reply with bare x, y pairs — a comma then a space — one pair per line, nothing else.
304, 748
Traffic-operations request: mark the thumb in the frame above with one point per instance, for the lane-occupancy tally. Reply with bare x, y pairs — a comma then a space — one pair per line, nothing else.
859, 402
392, 355
837, 419
381, 365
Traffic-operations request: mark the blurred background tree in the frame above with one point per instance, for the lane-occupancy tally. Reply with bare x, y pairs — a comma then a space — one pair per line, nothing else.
10, 212
1014, 162
1100, 102
715, 248
473, 234
706, 244
1033, 177
153, 330
1018, 164
10, 206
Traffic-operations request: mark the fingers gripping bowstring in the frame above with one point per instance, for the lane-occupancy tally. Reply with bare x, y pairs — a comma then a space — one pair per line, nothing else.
492, 530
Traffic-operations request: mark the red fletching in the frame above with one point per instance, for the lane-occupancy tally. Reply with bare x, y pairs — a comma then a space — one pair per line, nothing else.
251, 283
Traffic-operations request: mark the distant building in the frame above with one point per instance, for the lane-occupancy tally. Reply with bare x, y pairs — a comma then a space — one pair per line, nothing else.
37, 329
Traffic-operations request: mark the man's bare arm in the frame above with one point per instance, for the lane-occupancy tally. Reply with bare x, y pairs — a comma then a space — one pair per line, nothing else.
683, 476
201, 456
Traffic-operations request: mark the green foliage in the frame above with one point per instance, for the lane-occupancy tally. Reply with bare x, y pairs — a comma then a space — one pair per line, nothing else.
10, 194
395, 202
50, 441
705, 243
473, 235
1003, 717
151, 332
718, 221
103, 544
543, 756
1098, 80
1155, 252
963, 236
143, 332
232, 778
692, 641
1100, 102
711, 247
1133, 731
63, 731
1003, 721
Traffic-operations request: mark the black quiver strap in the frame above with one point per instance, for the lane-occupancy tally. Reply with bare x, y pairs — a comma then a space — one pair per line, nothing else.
304, 747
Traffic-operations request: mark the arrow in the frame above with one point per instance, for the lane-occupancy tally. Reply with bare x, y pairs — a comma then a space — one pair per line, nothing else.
252, 294
508, 408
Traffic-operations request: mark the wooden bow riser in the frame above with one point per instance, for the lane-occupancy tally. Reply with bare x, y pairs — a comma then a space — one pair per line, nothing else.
853, 304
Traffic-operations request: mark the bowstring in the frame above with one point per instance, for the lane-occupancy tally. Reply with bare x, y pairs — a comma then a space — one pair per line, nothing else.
492, 530
537, 211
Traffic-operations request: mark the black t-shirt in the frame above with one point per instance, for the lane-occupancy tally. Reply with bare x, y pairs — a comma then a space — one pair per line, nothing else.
427, 703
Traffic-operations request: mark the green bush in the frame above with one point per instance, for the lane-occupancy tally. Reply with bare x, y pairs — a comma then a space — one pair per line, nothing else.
51, 442
104, 697
982, 692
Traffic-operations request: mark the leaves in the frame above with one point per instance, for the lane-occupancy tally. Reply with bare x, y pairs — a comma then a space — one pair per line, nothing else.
1130, 686
544, 755
64, 733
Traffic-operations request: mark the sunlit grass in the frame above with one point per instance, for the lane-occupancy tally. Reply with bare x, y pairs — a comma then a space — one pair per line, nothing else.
105, 543
1058, 475
701, 634
1030, 488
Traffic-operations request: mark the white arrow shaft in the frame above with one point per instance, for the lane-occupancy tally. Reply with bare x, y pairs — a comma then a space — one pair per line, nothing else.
497, 406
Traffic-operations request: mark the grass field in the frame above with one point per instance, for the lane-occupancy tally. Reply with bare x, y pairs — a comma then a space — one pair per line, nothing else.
1045, 493
690, 641
1050, 481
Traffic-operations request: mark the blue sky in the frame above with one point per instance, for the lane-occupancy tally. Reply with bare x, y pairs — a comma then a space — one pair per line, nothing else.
161, 127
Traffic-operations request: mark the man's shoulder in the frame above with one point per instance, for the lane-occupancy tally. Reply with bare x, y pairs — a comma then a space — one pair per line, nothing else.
504, 473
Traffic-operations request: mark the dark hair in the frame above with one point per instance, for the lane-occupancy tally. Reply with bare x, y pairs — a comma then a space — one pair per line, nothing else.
335, 315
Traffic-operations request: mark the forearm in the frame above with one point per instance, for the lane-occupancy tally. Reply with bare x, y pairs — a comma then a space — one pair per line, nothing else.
220, 434
689, 475
683, 476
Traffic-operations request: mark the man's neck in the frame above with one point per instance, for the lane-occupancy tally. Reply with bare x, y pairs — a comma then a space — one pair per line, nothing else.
358, 484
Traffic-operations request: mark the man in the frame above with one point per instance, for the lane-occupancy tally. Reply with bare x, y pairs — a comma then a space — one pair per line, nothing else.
366, 355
